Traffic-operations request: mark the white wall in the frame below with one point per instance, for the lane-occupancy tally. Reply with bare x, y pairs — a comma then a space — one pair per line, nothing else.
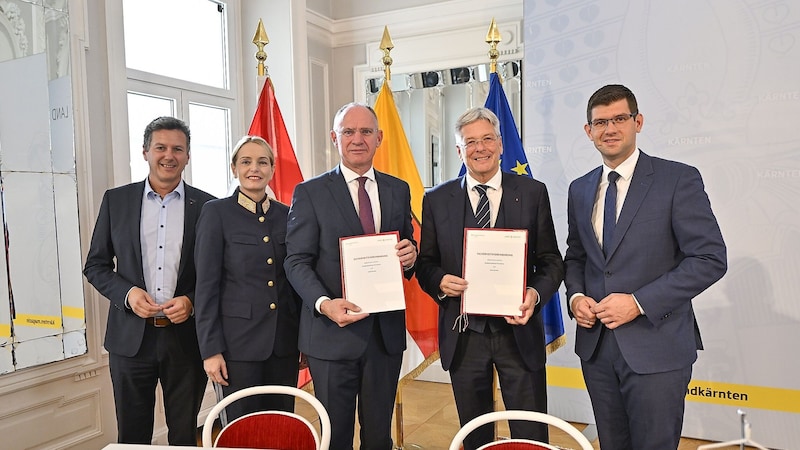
717, 84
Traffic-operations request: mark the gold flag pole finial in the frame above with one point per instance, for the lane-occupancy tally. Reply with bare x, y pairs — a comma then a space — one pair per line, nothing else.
260, 39
493, 38
387, 46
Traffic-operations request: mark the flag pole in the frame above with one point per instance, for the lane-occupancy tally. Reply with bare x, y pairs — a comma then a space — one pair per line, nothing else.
493, 38
260, 39
395, 158
387, 46
274, 132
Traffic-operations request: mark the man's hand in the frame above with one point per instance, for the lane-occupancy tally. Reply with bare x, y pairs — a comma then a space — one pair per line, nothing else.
178, 309
582, 311
452, 286
616, 310
216, 369
407, 253
526, 308
142, 304
341, 311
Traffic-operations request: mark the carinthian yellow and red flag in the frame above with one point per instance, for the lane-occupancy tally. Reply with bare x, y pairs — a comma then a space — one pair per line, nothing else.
395, 158
268, 123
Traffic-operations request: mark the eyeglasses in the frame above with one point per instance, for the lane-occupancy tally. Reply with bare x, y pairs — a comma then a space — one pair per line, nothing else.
487, 141
601, 124
350, 132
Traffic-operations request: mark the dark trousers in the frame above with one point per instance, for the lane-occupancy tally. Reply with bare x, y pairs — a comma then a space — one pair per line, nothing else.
471, 375
183, 382
372, 379
274, 371
634, 411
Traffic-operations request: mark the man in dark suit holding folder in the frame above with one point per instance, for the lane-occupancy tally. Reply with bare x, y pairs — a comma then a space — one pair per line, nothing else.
352, 355
142, 260
514, 345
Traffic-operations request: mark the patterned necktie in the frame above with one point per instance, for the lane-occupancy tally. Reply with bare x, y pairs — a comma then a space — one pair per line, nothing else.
365, 208
482, 215
610, 211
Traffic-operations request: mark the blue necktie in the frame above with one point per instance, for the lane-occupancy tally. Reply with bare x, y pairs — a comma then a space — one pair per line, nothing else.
610, 211
482, 215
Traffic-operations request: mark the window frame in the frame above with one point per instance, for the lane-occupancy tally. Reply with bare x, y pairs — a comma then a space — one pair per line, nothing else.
122, 80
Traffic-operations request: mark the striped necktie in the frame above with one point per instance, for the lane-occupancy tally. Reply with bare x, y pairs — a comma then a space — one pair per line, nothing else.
482, 215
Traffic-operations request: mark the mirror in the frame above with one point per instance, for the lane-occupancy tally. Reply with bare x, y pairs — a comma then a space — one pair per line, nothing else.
42, 316
430, 102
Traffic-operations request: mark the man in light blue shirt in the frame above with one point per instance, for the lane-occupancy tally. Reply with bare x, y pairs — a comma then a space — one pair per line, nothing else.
142, 260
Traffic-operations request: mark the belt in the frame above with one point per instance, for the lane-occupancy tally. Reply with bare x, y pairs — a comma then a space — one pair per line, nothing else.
158, 322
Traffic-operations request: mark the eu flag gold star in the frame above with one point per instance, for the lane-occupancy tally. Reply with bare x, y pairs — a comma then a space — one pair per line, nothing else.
520, 169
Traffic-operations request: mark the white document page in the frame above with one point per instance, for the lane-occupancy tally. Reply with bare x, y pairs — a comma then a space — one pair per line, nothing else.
372, 276
494, 267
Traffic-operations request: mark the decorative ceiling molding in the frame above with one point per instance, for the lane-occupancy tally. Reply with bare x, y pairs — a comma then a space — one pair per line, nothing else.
465, 46
413, 22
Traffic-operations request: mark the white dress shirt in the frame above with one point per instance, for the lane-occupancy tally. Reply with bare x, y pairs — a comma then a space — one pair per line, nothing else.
494, 193
625, 171
161, 232
371, 186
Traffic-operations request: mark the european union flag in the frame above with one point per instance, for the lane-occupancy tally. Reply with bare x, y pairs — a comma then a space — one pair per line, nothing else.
514, 160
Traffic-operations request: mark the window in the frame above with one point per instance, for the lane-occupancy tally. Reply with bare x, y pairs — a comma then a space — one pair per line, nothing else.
182, 68
181, 39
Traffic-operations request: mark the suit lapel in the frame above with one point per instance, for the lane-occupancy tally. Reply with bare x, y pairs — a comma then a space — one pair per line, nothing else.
584, 211
510, 204
344, 202
640, 185
386, 198
191, 210
456, 209
134, 199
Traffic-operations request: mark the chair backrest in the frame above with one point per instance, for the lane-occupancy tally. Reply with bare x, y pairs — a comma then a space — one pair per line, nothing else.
455, 444
517, 444
269, 429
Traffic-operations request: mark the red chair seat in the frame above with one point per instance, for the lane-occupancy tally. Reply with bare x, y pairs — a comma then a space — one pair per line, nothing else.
277, 430
517, 444
272, 429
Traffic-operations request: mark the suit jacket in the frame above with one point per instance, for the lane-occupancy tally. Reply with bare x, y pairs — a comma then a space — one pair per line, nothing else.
322, 212
244, 306
667, 248
524, 205
117, 237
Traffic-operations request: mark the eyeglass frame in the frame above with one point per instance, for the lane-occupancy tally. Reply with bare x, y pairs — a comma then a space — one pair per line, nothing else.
486, 141
350, 132
617, 120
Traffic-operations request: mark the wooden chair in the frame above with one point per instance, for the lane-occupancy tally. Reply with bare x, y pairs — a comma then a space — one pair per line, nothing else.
277, 430
518, 444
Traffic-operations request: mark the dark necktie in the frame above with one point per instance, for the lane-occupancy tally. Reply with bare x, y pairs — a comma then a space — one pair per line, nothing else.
482, 215
610, 211
365, 208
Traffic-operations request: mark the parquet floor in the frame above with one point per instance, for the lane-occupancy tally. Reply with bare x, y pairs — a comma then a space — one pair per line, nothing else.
430, 420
